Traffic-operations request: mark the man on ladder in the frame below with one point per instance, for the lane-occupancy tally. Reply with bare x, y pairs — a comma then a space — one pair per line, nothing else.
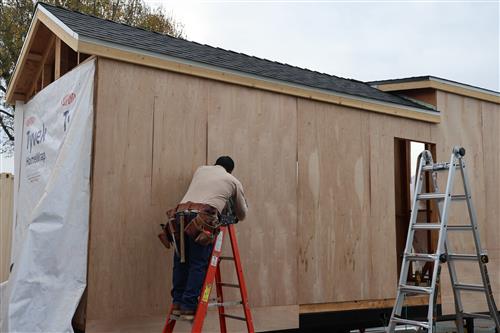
198, 215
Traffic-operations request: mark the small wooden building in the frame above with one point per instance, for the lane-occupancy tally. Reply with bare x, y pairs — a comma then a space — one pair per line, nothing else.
324, 162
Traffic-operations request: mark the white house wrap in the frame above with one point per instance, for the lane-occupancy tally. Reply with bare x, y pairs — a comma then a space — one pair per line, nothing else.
51, 224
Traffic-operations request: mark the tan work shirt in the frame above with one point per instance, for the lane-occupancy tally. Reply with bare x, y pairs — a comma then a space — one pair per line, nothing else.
213, 185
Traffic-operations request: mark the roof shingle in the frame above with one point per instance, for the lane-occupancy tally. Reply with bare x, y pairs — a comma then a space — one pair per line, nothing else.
125, 35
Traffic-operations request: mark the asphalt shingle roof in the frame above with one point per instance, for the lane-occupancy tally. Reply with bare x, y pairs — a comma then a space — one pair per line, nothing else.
125, 35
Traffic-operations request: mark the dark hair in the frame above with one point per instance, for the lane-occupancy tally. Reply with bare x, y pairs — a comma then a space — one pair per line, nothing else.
226, 162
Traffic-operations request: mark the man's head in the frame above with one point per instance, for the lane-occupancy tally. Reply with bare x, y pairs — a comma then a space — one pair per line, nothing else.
226, 162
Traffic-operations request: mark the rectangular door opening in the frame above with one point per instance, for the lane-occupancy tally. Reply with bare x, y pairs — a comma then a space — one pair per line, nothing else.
405, 169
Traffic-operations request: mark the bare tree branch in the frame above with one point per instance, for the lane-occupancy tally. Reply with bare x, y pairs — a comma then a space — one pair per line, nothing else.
6, 129
7, 113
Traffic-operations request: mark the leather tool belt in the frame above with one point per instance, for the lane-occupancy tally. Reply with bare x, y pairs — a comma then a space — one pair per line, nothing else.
199, 221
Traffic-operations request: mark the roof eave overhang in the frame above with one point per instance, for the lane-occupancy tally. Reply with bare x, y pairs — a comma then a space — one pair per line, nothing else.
443, 85
151, 59
145, 58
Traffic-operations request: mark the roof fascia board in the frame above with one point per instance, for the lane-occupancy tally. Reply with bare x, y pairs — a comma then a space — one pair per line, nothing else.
21, 60
150, 59
443, 85
465, 86
62, 31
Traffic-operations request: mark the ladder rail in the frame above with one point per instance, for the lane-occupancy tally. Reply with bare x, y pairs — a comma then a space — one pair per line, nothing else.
220, 299
479, 249
241, 280
397, 309
443, 249
201, 310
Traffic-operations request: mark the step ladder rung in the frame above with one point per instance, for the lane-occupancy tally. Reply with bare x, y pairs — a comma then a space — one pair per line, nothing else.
422, 324
421, 257
234, 317
440, 196
431, 196
470, 287
455, 256
476, 315
464, 227
426, 226
228, 285
415, 289
179, 318
443, 166
225, 304
226, 258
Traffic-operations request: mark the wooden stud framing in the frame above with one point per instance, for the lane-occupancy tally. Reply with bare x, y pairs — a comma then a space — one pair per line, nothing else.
36, 77
57, 59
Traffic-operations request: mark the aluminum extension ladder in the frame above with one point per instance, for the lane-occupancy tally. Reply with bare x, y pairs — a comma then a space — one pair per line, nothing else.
213, 273
443, 254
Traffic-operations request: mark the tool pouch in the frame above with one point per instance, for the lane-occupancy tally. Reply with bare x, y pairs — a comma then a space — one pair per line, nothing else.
164, 239
203, 228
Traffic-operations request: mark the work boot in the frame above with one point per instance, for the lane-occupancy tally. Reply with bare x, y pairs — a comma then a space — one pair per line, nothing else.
176, 309
188, 314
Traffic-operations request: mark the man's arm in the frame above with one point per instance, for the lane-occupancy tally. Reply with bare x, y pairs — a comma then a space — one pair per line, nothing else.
241, 206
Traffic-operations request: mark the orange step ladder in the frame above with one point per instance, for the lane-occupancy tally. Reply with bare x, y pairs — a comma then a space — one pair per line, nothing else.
213, 273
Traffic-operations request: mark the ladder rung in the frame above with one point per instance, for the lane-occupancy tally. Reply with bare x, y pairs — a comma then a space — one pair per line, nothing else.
421, 257
430, 196
470, 287
233, 303
443, 166
226, 258
415, 290
476, 315
426, 226
178, 318
440, 196
459, 227
455, 256
229, 285
410, 322
234, 317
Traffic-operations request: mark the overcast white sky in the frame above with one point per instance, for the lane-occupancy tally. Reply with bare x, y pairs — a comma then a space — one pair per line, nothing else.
364, 40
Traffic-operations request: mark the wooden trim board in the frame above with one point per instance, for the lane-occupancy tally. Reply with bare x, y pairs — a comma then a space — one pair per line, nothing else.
360, 305
255, 82
440, 85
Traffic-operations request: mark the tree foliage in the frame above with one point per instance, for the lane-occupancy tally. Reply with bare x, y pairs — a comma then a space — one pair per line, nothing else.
15, 18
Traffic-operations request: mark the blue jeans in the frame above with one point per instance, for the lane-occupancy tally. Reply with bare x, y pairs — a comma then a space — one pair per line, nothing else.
188, 277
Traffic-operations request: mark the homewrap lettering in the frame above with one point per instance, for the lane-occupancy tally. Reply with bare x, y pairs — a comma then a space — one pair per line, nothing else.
35, 138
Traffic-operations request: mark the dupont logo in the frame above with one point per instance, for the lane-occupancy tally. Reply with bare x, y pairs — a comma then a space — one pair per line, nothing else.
30, 121
68, 99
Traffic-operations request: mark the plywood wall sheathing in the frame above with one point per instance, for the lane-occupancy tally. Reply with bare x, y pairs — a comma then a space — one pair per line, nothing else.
346, 222
259, 130
151, 135
475, 125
